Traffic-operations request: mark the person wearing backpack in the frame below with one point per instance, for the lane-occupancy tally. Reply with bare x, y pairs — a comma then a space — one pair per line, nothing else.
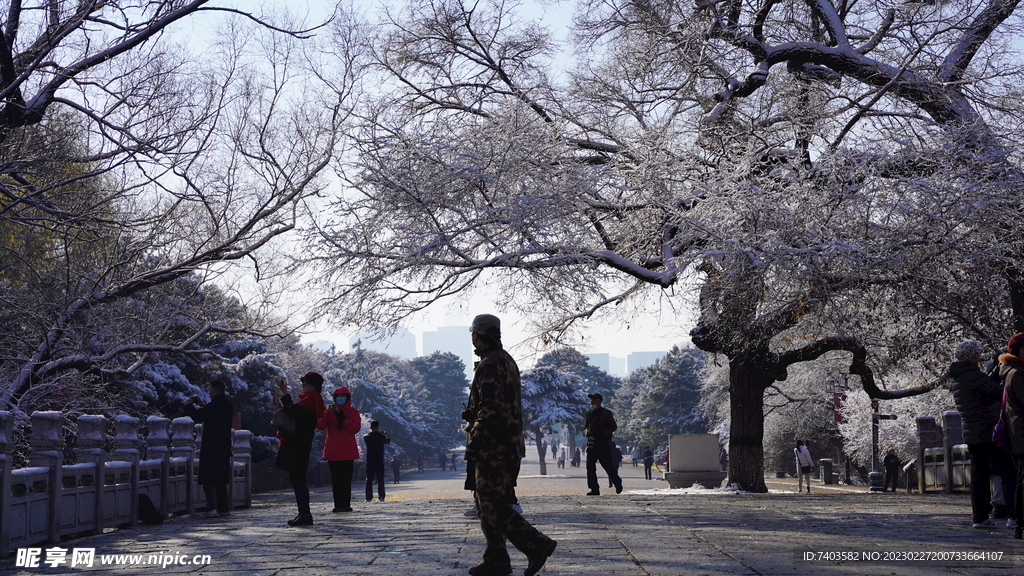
977, 397
297, 439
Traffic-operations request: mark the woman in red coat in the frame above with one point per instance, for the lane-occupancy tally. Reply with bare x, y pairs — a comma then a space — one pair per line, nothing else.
341, 422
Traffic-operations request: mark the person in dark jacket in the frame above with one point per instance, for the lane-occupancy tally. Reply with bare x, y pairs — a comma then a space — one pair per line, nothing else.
598, 426
215, 455
375, 465
396, 468
296, 444
648, 462
496, 447
891, 464
1011, 370
977, 397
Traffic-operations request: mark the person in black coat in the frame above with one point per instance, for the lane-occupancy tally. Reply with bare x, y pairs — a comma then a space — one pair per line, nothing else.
598, 426
297, 438
977, 397
891, 464
215, 454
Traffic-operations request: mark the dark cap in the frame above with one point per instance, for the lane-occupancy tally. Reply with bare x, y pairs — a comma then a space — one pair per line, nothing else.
597, 395
314, 379
487, 325
1016, 341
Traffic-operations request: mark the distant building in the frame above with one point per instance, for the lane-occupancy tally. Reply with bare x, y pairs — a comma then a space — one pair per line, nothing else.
617, 367
324, 346
599, 361
454, 339
638, 360
402, 344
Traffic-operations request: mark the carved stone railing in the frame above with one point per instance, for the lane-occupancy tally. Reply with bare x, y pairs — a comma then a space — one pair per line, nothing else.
50, 500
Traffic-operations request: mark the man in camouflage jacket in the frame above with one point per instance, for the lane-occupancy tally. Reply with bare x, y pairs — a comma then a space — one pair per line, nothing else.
496, 446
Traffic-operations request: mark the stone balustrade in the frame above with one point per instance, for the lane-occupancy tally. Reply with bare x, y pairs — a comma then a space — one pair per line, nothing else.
50, 500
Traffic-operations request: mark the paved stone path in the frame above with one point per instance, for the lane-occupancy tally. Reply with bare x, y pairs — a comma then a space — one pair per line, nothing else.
646, 531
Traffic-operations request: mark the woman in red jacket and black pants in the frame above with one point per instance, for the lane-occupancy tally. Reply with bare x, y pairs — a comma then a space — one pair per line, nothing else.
341, 422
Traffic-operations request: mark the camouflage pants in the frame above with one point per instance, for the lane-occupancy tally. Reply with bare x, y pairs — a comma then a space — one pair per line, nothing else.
498, 521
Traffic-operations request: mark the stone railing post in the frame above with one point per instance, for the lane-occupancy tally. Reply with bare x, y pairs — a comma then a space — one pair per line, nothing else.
183, 445
927, 437
241, 450
92, 435
159, 441
47, 442
126, 449
953, 434
197, 433
6, 464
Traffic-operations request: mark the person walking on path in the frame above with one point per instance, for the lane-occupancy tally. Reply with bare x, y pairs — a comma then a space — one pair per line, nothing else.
297, 442
598, 426
1011, 369
453, 462
634, 455
891, 464
804, 465
420, 462
341, 423
496, 447
648, 462
375, 467
215, 457
977, 397
442, 460
396, 468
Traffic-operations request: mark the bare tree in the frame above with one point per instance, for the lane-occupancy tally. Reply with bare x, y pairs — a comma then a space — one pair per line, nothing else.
831, 177
129, 161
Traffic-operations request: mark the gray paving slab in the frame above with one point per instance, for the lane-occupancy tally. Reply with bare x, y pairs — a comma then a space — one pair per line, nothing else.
421, 530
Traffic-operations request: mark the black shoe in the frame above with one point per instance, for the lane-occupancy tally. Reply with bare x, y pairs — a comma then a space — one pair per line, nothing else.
342, 509
302, 520
618, 488
486, 569
593, 493
537, 562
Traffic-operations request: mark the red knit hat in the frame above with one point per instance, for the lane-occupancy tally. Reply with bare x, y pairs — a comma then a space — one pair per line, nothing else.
1016, 341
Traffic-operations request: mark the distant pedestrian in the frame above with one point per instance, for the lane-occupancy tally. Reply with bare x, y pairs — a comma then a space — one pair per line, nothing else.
453, 461
648, 462
215, 457
561, 458
576, 457
891, 464
340, 424
977, 397
375, 467
396, 468
296, 437
634, 454
1011, 370
598, 426
804, 465
420, 463
723, 460
442, 460
496, 447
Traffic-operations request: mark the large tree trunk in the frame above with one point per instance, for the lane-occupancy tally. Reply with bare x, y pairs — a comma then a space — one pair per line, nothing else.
539, 439
747, 377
